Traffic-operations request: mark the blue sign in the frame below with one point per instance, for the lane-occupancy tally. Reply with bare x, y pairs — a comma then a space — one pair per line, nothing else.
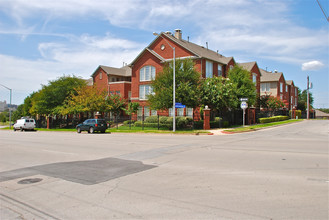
179, 105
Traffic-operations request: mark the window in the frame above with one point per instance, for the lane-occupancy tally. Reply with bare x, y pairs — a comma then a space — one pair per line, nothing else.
147, 73
254, 78
189, 112
101, 75
209, 69
154, 112
281, 97
180, 112
265, 87
146, 111
117, 92
281, 87
144, 91
220, 71
296, 92
286, 88
171, 112
140, 111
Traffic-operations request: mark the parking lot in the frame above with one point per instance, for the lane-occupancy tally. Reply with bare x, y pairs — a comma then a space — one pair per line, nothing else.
275, 173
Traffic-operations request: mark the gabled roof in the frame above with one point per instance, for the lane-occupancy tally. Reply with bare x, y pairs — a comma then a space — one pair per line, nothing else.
196, 50
123, 71
200, 51
269, 76
289, 82
248, 66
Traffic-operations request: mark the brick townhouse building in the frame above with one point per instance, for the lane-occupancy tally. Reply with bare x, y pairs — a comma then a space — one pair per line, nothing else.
274, 84
153, 58
133, 81
113, 80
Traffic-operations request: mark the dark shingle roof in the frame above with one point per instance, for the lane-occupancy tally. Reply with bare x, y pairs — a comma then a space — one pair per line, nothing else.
247, 66
269, 77
123, 71
200, 51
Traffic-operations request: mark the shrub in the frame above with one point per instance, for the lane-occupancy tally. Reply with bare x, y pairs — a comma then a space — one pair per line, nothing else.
151, 119
198, 124
273, 119
128, 122
298, 114
226, 124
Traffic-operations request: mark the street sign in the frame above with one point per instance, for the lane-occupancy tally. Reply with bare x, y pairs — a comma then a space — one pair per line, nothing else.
179, 105
243, 99
244, 105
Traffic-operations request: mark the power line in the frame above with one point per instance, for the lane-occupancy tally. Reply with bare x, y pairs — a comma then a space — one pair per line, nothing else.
323, 11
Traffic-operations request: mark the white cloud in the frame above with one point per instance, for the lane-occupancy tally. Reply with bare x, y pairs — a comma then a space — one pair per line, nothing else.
312, 65
79, 56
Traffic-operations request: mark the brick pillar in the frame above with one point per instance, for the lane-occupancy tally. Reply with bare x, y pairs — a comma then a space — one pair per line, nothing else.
206, 117
97, 115
293, 113
48, 122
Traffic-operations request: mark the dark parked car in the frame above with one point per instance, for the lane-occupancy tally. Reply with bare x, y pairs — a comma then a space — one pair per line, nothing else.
92, 125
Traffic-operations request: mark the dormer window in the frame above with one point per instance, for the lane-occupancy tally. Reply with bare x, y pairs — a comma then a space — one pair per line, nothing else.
147, 73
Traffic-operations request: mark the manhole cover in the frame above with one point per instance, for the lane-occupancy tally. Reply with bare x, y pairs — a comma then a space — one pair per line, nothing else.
29, 181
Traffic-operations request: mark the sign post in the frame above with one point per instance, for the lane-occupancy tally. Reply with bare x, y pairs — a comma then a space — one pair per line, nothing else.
244, 106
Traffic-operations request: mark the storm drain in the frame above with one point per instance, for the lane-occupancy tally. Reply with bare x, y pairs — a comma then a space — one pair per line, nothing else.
29, 181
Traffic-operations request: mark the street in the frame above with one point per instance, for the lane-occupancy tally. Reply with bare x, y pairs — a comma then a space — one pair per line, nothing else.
275, 173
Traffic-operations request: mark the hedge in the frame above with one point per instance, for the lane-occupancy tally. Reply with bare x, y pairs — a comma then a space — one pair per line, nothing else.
165, 122
273, 119
298, 114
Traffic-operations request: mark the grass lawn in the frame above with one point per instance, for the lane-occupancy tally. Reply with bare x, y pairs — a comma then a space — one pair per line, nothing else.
259, 126
126, 129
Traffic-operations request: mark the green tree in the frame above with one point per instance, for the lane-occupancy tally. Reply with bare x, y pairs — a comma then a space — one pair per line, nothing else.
132, 108
53, 95
85, 99
186, 90
245, 88
116, 104
302, 100
218, 93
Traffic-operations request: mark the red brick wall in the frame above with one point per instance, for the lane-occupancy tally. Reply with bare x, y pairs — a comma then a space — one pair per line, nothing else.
122, 87
256, 70
167, 53
100, 83
147, 59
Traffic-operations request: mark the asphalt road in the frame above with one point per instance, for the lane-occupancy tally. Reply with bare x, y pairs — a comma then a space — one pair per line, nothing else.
276, 173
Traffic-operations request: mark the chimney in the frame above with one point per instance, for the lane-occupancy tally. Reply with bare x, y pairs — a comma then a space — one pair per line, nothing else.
178, 34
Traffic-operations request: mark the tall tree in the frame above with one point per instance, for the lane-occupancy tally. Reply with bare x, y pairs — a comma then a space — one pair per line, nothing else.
302, 100
46, 100
85, 99
218, 93
186, 90
245, 88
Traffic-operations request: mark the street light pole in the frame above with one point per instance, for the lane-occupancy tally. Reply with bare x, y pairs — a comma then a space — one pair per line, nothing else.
10, 104
174, 82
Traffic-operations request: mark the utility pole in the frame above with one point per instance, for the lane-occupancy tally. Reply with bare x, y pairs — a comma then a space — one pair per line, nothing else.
308, 97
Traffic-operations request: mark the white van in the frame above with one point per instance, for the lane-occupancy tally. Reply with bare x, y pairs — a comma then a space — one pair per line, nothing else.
24, 124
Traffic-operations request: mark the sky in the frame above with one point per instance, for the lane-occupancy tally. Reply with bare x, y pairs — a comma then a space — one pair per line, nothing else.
42, 40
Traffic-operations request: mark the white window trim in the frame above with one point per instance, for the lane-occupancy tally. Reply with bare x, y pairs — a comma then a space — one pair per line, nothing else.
142, 73
209, 69
144, 91
220, 70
